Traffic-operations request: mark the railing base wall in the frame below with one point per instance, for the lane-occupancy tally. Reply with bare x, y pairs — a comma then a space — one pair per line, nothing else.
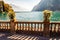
5, 30
30, 32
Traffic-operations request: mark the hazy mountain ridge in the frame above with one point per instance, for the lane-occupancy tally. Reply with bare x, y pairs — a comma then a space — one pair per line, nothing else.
17, 8
47, 5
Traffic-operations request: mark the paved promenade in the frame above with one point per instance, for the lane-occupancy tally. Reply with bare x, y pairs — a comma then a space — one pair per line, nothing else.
7, 36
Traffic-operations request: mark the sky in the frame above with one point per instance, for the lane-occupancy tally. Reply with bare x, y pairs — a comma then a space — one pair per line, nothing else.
27, 4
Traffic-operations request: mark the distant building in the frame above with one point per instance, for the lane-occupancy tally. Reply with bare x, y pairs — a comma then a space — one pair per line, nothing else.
1, 5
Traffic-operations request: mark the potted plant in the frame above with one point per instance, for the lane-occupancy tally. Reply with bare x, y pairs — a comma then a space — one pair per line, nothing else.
47, 15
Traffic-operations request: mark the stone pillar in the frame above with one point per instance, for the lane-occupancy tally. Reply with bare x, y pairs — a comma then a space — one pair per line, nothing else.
12, 26
46, 29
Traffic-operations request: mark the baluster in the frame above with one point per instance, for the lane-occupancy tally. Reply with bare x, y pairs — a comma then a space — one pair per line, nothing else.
40, 27
25, 26
28, 26
50, 27
31, 27
55, 28
2, 25
59, 27
20, 26
35, 27
17, 26
7, 26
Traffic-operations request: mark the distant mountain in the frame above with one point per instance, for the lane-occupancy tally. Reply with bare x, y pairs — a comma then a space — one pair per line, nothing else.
17, 8
53, 5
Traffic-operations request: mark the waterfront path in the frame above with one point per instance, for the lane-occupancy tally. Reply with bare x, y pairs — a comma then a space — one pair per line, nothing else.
7, 36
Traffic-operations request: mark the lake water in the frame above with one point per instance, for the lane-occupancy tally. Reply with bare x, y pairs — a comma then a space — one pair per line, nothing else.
31, 16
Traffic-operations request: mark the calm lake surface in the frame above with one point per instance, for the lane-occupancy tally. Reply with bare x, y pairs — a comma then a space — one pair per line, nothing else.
31, 16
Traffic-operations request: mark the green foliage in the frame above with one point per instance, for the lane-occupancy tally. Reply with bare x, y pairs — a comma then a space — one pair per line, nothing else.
47, 13
11, 16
